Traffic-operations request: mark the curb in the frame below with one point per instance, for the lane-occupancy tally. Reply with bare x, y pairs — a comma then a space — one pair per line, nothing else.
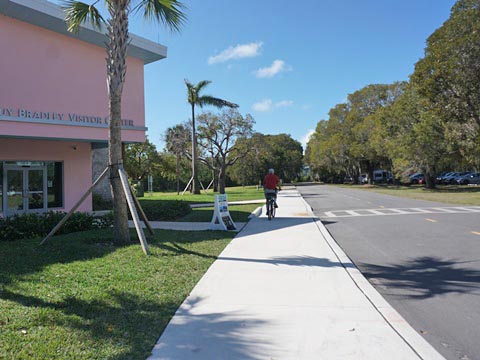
410, 336
256, 213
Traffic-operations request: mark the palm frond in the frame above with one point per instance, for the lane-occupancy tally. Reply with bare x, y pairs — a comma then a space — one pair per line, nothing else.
219, 103
169, 12
201, 85
77, 13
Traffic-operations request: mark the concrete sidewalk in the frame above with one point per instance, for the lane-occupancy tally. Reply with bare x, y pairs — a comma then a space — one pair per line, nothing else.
283, 289
183, 226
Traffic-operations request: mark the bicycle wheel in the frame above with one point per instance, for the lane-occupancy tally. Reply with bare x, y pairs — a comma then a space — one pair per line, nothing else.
272, 206
270, 209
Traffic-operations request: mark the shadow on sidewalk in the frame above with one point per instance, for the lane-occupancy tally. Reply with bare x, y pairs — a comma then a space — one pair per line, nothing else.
291, 261
212, 334
263, 225
425, 277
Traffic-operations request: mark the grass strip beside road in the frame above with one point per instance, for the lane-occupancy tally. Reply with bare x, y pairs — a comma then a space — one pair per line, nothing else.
80, 297
461, 195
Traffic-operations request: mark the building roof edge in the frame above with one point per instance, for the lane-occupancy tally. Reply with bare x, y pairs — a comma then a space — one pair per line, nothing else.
51, 16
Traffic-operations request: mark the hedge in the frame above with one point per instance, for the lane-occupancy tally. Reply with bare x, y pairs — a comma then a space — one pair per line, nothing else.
26, 226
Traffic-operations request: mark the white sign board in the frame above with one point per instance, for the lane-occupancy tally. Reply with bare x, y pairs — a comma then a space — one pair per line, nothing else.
221, 219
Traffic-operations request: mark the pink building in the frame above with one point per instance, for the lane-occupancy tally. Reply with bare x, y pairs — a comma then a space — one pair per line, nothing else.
54, 105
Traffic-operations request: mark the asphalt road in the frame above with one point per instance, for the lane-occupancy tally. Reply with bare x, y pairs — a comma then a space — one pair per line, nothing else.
423, 257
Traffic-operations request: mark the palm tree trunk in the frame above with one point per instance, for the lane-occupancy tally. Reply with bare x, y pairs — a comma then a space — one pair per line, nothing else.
195, 187
116, 69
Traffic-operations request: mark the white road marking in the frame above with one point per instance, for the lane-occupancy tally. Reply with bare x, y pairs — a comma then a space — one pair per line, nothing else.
401, 211
398, 211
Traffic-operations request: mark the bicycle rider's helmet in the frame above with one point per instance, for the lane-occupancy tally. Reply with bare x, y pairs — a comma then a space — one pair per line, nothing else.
271, 171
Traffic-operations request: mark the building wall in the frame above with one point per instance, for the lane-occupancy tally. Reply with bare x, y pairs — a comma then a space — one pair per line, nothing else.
42, 71
76, 158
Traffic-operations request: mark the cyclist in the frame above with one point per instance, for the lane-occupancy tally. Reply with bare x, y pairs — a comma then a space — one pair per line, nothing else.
270, 184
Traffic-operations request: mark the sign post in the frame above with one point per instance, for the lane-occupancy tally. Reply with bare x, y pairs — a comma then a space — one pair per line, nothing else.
221, 219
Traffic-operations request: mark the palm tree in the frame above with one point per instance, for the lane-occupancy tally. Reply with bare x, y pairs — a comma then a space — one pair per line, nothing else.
167, 12
194, 98
177, 139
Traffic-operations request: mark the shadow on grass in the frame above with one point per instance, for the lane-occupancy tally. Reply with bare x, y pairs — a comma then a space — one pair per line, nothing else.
23, 257
125, 319
122, 323
425, 277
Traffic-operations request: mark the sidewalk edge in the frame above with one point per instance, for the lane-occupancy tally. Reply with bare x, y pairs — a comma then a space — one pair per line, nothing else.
416, 342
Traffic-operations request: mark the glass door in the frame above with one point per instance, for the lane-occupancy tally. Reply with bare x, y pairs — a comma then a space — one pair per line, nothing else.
15, 186
35, 195
26, 188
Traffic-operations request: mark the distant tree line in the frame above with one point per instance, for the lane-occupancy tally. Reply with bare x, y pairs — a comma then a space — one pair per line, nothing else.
229, 153
429, 124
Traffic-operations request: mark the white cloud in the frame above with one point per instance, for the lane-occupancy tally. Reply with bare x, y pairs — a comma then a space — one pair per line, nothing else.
237, 52
305, 139
306, 107
268, 105
276, 67
263, 106
284, 103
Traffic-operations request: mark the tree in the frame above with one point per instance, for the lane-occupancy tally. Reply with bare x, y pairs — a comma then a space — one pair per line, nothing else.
449, 74
416, 135
168, 12
195, 99
218, 134
280, 152
141, 160
177, 139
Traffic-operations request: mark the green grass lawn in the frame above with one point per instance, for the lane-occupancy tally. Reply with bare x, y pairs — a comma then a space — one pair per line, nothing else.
80, 297
463, 195
239, 213
233, 193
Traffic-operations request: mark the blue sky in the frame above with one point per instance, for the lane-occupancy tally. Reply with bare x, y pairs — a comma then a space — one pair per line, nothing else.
284, 62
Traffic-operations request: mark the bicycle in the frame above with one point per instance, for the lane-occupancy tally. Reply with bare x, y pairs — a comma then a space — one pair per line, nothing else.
270, 206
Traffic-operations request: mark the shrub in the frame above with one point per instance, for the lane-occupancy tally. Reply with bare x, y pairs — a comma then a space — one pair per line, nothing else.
32, 225
165, 210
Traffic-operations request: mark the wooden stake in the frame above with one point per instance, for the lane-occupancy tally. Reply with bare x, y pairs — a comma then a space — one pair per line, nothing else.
133, 211
142, 213
72, 210
186, 187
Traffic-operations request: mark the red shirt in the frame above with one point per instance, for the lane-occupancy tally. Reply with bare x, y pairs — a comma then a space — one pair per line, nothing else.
270, 181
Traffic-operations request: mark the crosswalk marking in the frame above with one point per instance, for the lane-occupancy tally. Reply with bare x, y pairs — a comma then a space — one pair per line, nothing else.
401, 211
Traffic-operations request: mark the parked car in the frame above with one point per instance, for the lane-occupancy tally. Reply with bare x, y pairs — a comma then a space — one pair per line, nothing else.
382, 176
441, 176
472, 178
363, 179
417, 178
462, 178
448, 179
